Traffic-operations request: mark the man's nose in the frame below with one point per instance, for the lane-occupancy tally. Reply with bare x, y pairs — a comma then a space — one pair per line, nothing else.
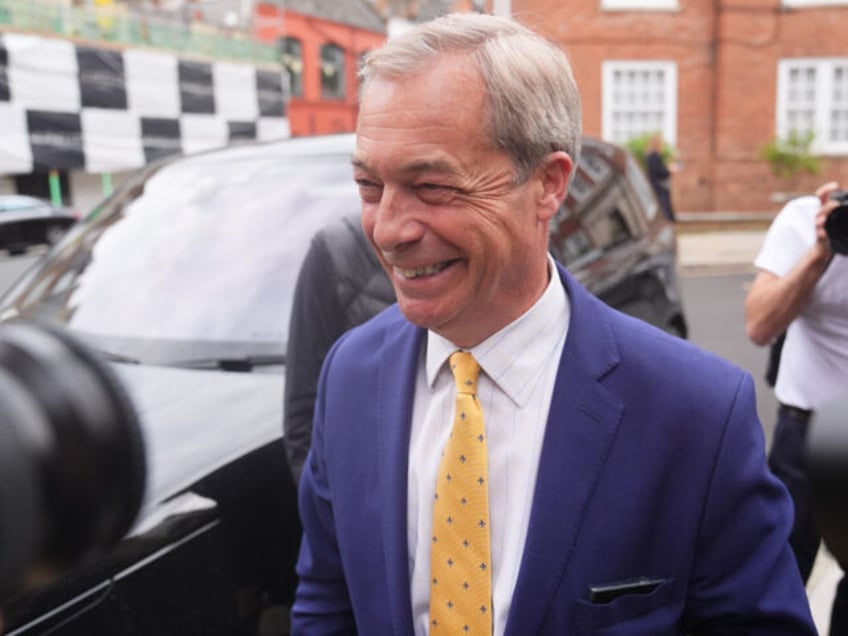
396, 222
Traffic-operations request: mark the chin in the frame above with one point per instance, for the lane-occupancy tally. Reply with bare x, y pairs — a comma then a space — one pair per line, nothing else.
418, 314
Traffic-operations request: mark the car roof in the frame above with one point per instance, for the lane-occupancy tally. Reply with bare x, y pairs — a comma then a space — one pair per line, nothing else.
21, 198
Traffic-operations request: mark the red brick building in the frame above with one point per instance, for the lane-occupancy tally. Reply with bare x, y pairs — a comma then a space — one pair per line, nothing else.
320, 45
720, 78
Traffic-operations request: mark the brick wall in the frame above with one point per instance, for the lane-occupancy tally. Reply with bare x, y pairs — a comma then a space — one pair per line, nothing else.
726, 53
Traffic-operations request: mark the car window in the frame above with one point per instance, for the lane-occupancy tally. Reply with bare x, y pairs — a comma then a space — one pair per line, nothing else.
609, 229
599, 213
199, 260
16, 203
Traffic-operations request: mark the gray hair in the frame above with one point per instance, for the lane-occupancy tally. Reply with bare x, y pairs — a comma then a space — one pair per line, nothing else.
533, 103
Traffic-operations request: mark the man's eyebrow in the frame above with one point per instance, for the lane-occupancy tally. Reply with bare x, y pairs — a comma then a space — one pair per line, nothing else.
414, 167
438, 165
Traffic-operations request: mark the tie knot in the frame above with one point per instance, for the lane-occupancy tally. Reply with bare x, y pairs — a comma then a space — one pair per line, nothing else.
465, 371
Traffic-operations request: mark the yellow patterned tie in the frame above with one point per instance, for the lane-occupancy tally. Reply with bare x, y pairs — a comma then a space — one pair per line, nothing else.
460, 567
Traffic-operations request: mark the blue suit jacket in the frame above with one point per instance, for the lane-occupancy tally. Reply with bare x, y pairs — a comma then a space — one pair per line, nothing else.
653, 465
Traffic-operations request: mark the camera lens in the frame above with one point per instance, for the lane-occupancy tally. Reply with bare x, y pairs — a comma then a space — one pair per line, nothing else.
836, 224
72, 467
836, 228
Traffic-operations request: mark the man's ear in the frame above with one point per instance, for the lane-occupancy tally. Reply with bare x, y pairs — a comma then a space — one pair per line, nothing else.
554, 174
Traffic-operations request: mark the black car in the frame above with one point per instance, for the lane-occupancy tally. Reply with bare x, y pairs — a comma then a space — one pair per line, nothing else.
183, 281
611, 235
26, 221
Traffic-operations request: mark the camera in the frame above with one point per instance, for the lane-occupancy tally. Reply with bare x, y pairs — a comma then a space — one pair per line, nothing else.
72, 461
827, 461
836, 224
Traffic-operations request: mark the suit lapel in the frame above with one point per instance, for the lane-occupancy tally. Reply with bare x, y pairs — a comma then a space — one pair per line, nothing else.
393, 401
582, 423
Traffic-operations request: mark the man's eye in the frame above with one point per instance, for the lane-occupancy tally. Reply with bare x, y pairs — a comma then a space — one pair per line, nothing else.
369, 191
434, 193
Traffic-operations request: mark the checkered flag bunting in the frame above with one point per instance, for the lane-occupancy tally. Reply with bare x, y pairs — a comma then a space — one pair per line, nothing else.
68, 106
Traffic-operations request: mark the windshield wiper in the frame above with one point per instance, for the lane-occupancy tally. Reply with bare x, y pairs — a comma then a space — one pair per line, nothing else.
245, 363
109, 356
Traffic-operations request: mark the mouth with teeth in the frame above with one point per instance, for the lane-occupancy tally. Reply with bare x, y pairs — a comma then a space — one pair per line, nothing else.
424, 271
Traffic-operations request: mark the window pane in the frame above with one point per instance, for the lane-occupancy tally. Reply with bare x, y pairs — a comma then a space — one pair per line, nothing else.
813, 98
332, 72
637, 102
291, 56
801, 99
839, 105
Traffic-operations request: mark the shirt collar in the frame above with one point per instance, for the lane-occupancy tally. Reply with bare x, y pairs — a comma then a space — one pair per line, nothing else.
516, 355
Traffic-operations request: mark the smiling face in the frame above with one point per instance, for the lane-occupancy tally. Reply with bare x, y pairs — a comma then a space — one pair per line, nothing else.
464, 245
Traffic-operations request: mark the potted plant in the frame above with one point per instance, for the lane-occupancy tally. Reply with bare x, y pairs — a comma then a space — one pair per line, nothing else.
789, 158
638, 147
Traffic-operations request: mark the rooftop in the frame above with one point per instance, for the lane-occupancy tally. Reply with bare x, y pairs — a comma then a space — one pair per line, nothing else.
356, 13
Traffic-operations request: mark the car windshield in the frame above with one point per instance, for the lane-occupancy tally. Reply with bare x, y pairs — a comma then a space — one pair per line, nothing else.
196, 262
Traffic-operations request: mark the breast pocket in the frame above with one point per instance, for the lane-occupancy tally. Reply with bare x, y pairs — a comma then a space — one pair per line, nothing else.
630, 614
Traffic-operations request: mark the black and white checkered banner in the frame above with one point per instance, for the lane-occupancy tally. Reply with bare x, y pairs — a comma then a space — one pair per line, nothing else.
71, 107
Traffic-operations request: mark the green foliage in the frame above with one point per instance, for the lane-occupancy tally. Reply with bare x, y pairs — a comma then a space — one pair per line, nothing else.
638, 147
791, 156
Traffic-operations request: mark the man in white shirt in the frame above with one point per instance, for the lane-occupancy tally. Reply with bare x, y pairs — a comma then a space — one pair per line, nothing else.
801, 289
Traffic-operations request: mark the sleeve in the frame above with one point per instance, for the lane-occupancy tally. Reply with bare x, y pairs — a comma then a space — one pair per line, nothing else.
322, 603
317, 320
790, 235
745, 580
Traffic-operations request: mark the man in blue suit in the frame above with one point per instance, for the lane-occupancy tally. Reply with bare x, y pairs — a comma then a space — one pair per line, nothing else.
627, 490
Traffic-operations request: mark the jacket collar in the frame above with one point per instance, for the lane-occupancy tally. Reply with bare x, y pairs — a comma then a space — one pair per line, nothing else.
582, 424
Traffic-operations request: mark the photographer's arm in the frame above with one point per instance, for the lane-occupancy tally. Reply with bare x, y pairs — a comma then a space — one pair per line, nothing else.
773, 302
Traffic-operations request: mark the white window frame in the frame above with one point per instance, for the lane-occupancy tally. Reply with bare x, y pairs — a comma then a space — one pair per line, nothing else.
824, 67
640, 5
813, 3
669, 106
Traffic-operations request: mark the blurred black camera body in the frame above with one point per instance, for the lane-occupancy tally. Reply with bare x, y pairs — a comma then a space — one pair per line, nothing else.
836, 224
827, 461
72, 462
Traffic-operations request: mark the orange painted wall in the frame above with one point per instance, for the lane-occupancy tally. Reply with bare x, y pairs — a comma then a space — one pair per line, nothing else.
312, 114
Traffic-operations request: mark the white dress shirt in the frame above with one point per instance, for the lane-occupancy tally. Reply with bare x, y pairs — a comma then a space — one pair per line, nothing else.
519, 365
